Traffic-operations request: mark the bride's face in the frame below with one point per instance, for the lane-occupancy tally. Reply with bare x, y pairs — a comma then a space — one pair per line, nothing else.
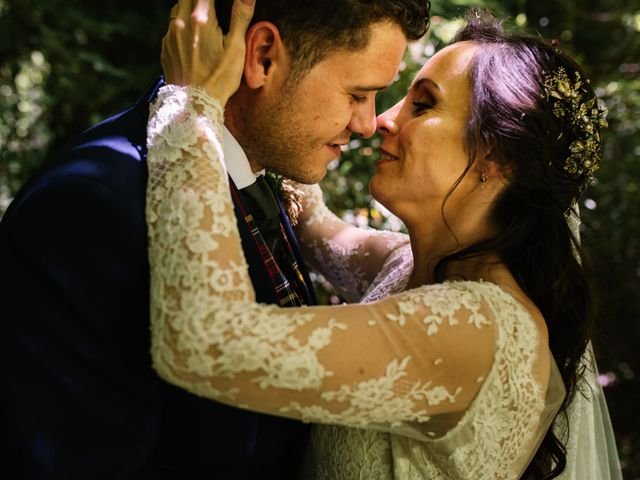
422, 152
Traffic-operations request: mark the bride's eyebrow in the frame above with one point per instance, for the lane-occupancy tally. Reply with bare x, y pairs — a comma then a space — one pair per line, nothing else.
424, 80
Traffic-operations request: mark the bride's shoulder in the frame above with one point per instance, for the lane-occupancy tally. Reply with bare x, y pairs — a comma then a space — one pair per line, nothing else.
503, 304
521, 325
509, 295
503, 297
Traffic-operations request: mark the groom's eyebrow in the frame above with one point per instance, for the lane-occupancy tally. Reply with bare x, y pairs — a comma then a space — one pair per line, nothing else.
370, 88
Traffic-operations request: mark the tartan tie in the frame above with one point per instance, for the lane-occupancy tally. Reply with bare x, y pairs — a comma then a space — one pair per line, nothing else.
260, 201
276, 252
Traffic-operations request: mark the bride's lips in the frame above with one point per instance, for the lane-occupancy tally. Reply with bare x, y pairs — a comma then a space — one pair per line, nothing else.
385, 157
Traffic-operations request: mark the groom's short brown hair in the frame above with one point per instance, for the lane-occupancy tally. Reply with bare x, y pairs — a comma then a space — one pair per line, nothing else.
312, 29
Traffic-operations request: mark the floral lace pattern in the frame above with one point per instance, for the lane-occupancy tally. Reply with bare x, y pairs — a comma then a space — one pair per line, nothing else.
342, 253
406, 364
393, 277
475, 446
336, 452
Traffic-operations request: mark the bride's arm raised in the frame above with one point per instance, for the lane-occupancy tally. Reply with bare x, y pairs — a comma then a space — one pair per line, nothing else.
348, 256
391, 364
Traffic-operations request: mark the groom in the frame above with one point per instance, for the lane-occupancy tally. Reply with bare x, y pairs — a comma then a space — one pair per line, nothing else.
81, 399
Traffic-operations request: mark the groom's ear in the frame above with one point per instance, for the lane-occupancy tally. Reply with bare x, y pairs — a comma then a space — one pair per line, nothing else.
266, 55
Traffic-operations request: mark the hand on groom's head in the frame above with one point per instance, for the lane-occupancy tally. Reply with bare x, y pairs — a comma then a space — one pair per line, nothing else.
195, 52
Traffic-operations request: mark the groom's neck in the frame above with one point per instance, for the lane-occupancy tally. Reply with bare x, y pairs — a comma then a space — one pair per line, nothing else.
235, 129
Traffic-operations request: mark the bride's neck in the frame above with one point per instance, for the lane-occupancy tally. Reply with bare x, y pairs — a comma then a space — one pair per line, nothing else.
429, 248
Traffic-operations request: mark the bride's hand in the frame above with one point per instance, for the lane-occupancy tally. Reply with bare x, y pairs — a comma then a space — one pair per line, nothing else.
195, 52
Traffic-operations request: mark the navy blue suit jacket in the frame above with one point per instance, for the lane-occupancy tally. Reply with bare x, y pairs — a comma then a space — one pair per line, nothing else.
81, 399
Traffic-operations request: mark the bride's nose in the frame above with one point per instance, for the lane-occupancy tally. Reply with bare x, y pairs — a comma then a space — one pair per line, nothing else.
386, 122
386, 126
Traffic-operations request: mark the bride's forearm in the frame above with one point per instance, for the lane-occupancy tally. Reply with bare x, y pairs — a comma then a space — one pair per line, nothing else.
348, 256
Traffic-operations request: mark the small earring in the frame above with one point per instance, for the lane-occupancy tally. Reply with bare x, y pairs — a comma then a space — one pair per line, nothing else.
483, 179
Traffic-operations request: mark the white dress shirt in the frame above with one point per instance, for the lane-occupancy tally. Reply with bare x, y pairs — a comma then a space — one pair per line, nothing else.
237, 162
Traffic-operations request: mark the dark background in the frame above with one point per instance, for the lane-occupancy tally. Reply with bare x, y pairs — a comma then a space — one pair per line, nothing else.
65, 64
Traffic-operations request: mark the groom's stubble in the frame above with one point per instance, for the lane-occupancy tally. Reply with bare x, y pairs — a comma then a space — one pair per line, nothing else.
276, 133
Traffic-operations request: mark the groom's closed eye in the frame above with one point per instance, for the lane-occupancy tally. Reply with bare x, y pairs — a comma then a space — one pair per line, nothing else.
360, 92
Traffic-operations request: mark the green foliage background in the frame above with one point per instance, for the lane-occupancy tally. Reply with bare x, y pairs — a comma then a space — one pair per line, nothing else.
65, 64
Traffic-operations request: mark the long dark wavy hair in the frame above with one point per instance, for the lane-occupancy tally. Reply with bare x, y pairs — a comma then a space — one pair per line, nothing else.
511, 116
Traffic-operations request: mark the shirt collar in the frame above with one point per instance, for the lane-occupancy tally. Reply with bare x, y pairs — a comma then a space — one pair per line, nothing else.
237, 162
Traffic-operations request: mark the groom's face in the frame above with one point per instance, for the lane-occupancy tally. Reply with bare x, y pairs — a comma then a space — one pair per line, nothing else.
301, 127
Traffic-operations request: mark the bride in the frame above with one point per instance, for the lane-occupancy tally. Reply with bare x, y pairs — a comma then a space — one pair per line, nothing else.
468, 350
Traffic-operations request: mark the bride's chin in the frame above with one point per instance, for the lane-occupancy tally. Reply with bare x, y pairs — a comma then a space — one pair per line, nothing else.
381, 195
374, 191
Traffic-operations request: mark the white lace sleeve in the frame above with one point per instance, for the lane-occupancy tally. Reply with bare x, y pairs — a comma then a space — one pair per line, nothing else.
348, 256
393, 364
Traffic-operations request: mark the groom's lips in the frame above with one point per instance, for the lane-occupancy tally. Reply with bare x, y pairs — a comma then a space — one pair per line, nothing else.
336, 148
385, 157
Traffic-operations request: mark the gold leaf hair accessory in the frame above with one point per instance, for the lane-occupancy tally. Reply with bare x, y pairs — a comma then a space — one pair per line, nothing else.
585, 119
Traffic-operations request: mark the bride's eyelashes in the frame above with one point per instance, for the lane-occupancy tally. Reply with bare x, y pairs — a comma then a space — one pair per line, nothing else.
419, 107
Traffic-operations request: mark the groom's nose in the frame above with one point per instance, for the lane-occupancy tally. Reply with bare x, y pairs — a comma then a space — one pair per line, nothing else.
363, 120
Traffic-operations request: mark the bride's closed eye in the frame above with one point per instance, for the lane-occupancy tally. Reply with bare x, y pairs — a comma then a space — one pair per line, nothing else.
420, 106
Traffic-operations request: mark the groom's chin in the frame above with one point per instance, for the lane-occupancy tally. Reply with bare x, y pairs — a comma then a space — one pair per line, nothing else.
307, 175
310, 178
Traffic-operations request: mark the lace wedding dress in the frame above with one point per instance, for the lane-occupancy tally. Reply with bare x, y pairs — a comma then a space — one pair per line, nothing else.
337, 452
453, 380
338, 251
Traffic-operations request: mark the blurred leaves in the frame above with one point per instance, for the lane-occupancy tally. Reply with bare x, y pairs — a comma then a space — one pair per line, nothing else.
65, 65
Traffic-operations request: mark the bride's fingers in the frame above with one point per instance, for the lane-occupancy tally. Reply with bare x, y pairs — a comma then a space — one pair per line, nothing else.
175, 54
241, 14
195, 52
173, 17
185, 7
201, 13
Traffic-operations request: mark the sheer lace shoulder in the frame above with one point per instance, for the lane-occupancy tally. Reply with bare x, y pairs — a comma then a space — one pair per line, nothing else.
394, 275
348, 256
423, 365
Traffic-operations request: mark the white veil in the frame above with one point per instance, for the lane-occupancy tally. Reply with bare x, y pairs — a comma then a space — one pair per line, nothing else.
589, 438
591, 446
